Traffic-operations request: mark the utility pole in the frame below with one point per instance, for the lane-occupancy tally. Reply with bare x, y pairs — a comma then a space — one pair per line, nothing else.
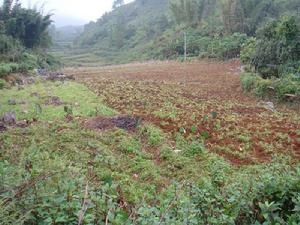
185, 46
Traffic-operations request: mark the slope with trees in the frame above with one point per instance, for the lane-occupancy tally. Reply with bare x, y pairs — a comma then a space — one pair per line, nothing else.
24, 38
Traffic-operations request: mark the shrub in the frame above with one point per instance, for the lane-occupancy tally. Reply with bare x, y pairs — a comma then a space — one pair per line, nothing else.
230, 46
278, 199
5, 69
10, 48
204, 46
288, 85
129, 145
248, 50
195, 148
153, 134
28, 62
262, 87
2, 84
248, 81
277, 47
14, 67
47, 61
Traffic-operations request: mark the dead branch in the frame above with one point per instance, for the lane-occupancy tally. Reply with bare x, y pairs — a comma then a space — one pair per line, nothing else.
106, 219
20, 190
84, 204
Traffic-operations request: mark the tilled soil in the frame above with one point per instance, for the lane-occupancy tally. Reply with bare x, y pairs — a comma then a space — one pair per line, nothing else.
179, 96
103, 123
2, 127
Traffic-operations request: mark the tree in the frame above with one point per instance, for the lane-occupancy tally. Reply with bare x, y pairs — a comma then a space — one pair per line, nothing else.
28, 26
117, 3
277, 47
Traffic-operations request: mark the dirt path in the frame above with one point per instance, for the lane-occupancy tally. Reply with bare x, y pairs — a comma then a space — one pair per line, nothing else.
199, 99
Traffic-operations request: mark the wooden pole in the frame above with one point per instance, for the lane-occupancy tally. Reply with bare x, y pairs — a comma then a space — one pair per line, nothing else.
185, 47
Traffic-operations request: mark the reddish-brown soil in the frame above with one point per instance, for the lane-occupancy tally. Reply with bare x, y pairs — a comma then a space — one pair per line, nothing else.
205, 96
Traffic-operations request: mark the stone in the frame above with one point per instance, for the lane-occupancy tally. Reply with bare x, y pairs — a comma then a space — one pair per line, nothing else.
269, 106
2, 127
22, 124
12, 102
177, 151
53, 100
9, 118
20, 88
35, 94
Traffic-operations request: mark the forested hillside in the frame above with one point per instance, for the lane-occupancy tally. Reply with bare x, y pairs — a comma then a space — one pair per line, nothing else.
65, 33
154, 28
129, 27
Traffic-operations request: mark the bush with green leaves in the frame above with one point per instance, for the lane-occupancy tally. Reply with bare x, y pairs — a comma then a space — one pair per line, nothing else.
248, 50
153, 134
223, 47
5, 69
277, 48
289, 84
10, 48
248, 81
47, 61
262, 86
2, 84
278, 87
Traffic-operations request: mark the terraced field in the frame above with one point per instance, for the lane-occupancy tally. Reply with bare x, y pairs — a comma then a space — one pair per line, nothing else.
200, 100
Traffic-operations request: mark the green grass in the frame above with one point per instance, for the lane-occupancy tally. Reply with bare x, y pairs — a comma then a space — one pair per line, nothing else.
83, 101
153, 134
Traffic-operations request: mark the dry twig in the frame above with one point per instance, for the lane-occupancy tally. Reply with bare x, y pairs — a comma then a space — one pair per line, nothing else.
84, 204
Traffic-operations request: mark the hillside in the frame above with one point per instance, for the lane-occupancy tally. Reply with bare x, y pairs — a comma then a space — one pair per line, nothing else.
128, 22
154, 29
129, 27
65, 33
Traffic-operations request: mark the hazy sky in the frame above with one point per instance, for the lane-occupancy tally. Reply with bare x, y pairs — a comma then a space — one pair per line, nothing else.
73, 12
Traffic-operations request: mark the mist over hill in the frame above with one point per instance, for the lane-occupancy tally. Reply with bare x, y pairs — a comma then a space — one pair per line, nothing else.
66, 33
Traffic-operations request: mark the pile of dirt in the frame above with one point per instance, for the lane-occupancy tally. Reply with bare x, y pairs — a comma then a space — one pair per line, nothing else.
53, 100
2, 127
16, 102
54, 76
8, 120
104, 123
126, 122
35, 94
59, 77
